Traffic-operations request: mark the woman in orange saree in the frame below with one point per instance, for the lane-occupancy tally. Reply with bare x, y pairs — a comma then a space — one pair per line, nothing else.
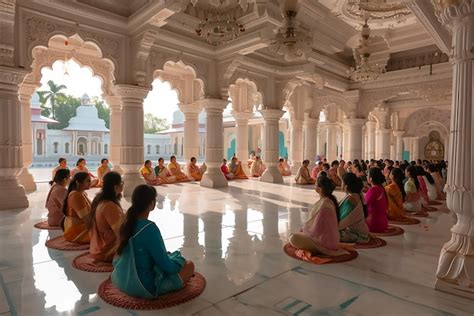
175, 170
194, 172
235, 167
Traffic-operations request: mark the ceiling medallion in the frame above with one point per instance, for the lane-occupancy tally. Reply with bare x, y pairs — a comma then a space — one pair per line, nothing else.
381, 12
292, 40
364, 71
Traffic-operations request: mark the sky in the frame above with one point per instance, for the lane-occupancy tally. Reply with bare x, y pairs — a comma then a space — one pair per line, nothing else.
161, 101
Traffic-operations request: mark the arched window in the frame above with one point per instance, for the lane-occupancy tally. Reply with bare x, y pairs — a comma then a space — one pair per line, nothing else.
55, 147
66, 148
148, 149
157, 147
106, 149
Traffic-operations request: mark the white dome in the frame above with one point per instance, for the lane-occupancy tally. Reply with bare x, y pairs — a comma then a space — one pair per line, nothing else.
35, 100
87, 119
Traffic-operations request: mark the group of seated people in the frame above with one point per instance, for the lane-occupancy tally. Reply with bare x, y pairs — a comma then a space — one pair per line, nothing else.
395, 191
171, 173
96, 181
142, 265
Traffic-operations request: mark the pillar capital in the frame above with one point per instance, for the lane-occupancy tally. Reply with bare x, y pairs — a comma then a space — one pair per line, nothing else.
190, 108
371, 124
398, 133
11, 75
27, 90
241, 116
112, 101
213, 104
131, 91
272, 114
355, 122
448, 11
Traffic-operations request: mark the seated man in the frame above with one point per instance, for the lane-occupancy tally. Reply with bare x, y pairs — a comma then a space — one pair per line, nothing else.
316, 170
62, 164
194, 172
235, 167
148, 175
225, 170
163, 173
284, 167
257, 168
175, 170
303, 176
332, 174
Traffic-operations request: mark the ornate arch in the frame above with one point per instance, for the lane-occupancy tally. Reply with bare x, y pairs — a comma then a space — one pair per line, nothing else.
254, 97
427, 116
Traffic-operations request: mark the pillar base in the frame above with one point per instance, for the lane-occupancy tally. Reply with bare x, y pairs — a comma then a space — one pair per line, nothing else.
455, 289
214, 179
131, 180
12, 194
25, 178
272, 175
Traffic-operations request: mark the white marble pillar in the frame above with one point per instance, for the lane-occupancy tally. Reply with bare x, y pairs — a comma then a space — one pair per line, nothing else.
242, 137
310, 138
345, 141
416, 148
132, 131
262, 139
25, 177
271, 145
382, 150
456, 263
296, 144
355, 138
331, 141
398, 144
213, 178
12, 194
364, 143
191, 130
371, 140
114, 103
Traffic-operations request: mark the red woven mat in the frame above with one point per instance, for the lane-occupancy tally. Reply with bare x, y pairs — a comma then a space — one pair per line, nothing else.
320, 259
374, 242
113, 296
45, 225
406, 221
60, 243
391, 231
85, 262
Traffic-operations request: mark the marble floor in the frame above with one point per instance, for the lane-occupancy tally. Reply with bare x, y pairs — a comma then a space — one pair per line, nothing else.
235, 237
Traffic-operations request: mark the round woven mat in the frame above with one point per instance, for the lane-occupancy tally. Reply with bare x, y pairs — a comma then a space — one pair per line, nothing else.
391, 231
60, 243
45, 225
86, 263
292, 252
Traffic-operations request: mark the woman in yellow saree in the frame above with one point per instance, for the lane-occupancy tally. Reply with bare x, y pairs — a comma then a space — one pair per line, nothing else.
148, 174
163, 173
194, 172
235, 167
76, 209
175, 170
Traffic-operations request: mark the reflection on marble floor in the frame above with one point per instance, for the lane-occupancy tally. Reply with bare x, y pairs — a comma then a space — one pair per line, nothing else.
235, 237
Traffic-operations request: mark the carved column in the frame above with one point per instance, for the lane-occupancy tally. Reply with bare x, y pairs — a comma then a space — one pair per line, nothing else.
132, 133
383, 144
26, 178
115, 131
331, 141
456, 263
191, 130
416, 147
398, 144
310, 138
371, 140
296, 144
271, 145
345, 141
242, 137
12, 194
213, 178
355, 138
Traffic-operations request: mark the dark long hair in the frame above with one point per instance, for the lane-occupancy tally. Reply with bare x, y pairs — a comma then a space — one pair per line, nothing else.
375, 173
421, 172
111, 179
60, 175
78, 178
355, 185
413, 174
327, 187
398, 178
143, 195
79, 161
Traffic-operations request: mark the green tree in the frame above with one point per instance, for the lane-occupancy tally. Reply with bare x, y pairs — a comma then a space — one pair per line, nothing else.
154, 124
51, 95
65, 109
104, 112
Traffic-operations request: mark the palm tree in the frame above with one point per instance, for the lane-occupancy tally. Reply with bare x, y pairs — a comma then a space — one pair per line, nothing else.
51, 95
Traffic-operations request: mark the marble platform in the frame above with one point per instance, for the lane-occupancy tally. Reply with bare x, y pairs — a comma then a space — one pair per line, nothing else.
235, 236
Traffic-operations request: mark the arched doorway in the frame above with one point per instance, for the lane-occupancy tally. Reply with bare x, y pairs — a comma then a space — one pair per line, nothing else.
434, 149
81, 146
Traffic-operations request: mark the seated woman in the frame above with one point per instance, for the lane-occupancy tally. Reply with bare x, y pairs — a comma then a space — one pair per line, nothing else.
396, 195
56, 196
105, 218
62, 164
163, 173
316, 170
332, 174
76, 209
341, 169
143, 268
377, 203
102, 170
352, 225
194, 172
430, 185
284, 168
320, 234
175, 170
303, 176
148, 175
412, 186
235, 167
225, 170
257, 168
81, 167
438, 181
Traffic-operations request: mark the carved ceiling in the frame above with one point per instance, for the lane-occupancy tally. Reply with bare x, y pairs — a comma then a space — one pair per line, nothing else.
124, 8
